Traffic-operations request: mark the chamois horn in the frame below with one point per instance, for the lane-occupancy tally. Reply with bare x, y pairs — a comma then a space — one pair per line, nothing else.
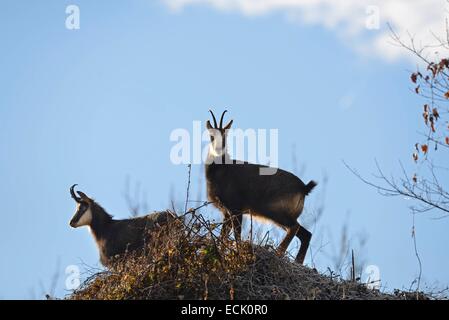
72, 193
221, 120
215, 120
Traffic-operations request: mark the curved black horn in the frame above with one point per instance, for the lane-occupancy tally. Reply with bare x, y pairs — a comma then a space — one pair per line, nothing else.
221, 120
215, 120
72, 193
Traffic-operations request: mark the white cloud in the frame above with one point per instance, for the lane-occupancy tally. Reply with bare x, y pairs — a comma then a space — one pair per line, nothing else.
350, 18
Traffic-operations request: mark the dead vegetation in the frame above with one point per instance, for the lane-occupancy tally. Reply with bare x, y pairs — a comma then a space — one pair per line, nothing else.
187, 260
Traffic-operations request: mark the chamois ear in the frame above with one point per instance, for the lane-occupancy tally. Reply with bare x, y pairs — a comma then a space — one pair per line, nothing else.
228, 126
83, 195
208, 125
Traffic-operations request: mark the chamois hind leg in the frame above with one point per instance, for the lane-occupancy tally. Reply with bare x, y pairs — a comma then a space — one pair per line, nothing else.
291, 232
304, 236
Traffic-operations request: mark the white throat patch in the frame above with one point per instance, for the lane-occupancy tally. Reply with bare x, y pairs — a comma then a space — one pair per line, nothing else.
216, 151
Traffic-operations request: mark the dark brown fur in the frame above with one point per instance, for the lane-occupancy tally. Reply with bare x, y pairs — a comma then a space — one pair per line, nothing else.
115, 237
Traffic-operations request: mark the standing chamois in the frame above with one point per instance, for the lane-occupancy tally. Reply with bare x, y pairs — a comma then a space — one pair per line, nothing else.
238, 188
114, 237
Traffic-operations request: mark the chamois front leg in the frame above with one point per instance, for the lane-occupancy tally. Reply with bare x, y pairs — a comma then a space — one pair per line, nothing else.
237, 219
226, 226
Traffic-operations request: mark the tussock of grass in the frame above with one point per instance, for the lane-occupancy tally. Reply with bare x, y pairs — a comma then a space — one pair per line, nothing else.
189, 261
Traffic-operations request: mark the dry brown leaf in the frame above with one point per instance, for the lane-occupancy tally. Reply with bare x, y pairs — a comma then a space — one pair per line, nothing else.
435, 113
424, 148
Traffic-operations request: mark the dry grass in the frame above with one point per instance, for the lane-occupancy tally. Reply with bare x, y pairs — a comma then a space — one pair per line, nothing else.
189, 261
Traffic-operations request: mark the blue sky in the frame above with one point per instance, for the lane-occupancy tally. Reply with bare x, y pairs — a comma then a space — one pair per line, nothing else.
97, 105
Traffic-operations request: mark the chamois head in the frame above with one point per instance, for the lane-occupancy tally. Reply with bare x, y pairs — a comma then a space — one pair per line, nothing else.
218, 135
83, 213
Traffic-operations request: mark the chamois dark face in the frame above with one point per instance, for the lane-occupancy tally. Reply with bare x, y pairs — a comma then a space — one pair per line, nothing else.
218, 136
83, 213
